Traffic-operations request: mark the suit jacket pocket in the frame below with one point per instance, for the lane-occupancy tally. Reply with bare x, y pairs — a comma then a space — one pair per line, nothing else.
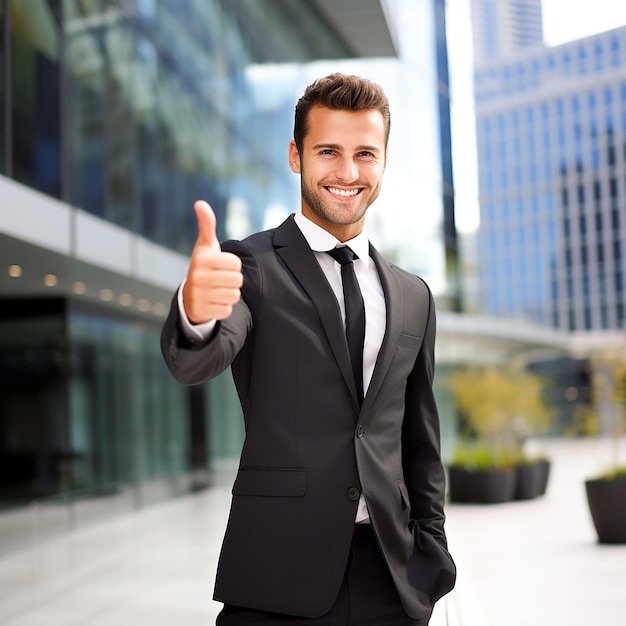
270, 481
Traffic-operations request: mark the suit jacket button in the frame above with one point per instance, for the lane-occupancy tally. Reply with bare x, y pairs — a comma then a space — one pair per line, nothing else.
359, 431
354, 493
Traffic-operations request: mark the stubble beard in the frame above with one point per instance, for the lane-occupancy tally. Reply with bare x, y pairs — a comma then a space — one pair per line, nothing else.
321, 207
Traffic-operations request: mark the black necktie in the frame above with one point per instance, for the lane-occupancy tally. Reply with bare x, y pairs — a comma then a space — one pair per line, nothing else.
355, 312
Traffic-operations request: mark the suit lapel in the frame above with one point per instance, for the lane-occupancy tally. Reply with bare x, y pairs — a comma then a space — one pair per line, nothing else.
394, 306
293, 249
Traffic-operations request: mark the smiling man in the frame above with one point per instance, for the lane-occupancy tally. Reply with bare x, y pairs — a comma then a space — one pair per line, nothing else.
337, 510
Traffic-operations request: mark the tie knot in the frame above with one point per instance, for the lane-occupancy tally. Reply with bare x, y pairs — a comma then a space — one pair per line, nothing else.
343, 255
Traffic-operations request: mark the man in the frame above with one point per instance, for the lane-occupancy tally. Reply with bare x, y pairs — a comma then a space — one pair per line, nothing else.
337, 511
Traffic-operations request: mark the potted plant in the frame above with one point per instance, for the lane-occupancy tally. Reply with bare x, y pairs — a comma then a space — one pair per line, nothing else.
501, 408
606, 492
482, 473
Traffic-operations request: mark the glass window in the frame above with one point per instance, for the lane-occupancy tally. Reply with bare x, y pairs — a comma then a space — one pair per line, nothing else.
490, 182
599, 223
616, 47
595, 159
600, 252
598, 52
611, 155
582, 59
567, 63
35, 87
597, 190
126, 414
162, 110
521, 77
86, 109
34, 456
547, 169
571, 315
536, 72
586, 286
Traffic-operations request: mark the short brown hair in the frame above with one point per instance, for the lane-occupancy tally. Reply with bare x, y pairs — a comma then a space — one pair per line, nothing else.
341, 92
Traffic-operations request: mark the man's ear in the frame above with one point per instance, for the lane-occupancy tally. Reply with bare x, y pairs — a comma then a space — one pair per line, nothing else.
294, 157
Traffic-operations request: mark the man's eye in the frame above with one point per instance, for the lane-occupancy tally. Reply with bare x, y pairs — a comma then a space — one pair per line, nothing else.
366, 153
327, 151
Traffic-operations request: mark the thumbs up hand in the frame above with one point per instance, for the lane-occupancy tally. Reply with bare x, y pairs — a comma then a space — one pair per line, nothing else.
214, 278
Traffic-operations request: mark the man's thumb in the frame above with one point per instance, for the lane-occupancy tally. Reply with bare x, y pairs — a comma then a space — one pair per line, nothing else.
206, 225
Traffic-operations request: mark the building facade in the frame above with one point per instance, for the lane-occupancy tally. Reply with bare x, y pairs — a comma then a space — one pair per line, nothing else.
504, 28
115, 115
551, 135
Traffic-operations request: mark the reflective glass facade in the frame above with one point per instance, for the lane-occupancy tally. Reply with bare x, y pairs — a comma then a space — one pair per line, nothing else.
504, 28
115, 115
551, 132
119, 114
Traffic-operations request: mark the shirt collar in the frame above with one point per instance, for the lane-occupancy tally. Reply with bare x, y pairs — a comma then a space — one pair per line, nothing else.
321, 240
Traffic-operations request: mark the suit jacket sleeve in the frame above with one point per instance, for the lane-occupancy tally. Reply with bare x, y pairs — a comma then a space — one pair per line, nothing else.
423, 469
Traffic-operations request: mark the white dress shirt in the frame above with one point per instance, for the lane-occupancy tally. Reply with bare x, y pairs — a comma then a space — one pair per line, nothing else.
320, 241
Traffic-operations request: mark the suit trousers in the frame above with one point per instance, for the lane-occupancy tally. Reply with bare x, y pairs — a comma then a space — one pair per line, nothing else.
367, 596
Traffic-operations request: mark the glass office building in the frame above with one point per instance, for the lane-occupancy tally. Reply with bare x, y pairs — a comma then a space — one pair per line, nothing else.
115, 116
504, 28
551, 134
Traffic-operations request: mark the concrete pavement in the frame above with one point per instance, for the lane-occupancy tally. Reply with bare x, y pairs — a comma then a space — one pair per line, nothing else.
521, 563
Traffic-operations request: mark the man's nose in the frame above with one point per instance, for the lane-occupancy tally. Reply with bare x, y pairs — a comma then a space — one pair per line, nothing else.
347, 170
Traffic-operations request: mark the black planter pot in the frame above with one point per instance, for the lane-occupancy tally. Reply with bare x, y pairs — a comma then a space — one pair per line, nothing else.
544, 475
528, 481
481, 486
532, 479
607, 504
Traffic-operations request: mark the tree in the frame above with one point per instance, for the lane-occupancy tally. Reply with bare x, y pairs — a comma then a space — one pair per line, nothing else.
503, 406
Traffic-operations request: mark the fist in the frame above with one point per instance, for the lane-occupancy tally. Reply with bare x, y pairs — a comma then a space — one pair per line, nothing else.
214, 278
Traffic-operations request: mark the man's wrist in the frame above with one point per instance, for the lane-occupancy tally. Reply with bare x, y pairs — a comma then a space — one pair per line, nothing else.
193, 331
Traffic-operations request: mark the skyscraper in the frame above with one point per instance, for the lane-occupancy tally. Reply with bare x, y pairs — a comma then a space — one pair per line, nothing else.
505, 28
551, 133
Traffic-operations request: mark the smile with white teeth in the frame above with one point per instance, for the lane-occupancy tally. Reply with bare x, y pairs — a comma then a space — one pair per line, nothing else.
346, 193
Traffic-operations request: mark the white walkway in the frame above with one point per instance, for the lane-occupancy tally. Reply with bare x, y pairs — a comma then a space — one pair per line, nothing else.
531, 563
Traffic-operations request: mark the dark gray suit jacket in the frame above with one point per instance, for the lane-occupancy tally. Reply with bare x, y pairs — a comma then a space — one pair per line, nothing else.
309, 449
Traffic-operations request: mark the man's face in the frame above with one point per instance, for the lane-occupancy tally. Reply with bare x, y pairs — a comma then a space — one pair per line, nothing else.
341, 168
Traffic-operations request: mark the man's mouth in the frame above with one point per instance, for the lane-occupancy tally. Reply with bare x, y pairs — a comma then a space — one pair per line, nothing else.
344, 193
